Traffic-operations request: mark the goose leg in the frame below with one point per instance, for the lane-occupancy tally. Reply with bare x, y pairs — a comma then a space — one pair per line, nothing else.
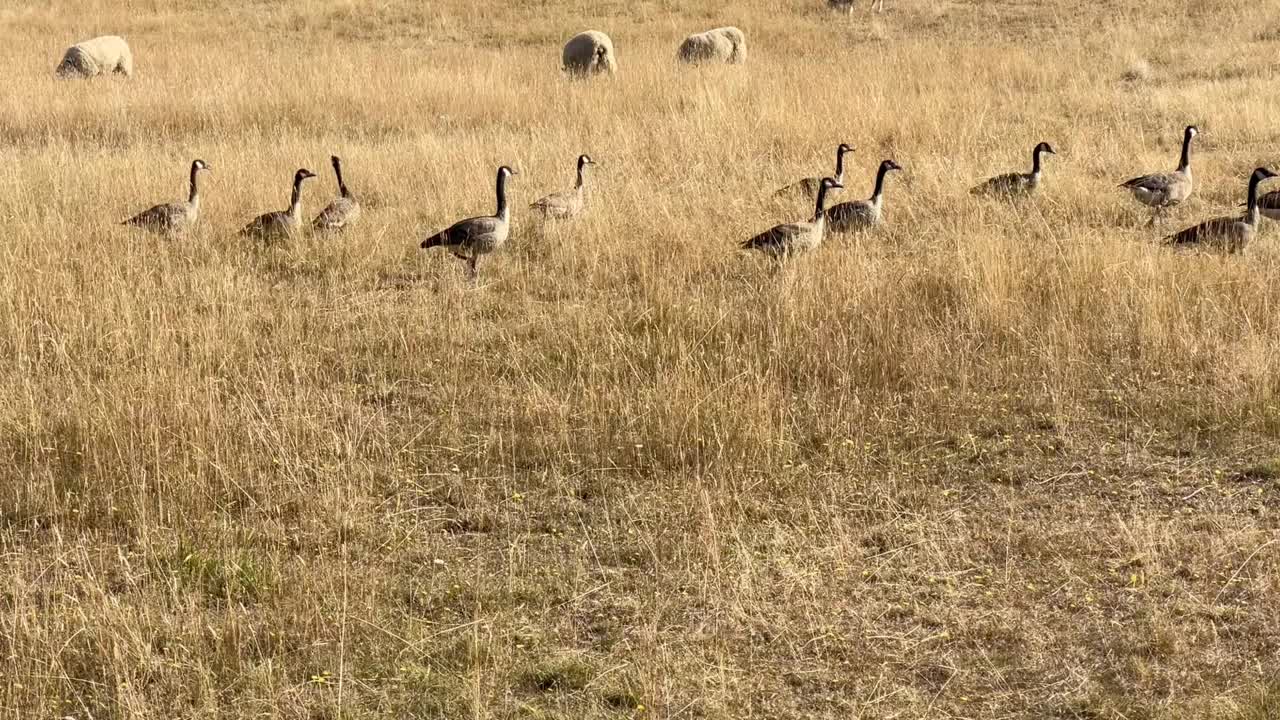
472, 274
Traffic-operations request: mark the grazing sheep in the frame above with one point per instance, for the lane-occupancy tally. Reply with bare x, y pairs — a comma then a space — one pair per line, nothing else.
101, 55
589, 53
726, 45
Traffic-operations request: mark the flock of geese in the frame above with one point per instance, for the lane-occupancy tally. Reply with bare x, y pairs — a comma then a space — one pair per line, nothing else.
474, 237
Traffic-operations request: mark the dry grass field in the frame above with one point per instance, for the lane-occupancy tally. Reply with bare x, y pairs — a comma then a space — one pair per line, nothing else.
986, 462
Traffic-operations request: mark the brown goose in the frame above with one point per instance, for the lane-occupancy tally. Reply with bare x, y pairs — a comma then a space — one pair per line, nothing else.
344, 211
862, 214
173, 218
808, 187
281, 223
1229, 234
785, 240
1016, 184
1161, 191
469, 239
1269, 205
570, 203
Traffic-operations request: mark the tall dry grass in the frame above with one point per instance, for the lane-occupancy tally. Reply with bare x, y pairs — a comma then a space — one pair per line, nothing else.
986, 462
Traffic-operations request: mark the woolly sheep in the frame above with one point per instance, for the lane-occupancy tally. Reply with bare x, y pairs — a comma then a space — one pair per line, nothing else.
726, 44
106, 54
589, 53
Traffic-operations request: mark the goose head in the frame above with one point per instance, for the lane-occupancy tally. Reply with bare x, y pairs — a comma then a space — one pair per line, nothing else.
844, 149
1261, 174
199, 165
585, 160
888, 165
302, 174
1045, 147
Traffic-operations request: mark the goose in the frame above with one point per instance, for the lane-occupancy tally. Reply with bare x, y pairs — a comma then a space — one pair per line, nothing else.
1162, 191
469, 239
173, 218
281, 223
1016, 184
570, 203
1229, 233
344, 211
807, 187
862, 214
785, 240
1269, 205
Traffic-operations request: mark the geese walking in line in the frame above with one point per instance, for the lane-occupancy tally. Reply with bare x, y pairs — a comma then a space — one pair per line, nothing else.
808, 187
469, 239
281, 223
862, 214
1014, 184
173, 218
1229, 234
570, 203
1161, 191
344, 211
782, 241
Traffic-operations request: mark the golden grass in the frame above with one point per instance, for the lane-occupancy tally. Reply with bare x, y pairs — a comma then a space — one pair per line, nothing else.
987, 462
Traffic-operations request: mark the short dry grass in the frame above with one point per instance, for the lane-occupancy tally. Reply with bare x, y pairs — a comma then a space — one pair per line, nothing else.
990, 462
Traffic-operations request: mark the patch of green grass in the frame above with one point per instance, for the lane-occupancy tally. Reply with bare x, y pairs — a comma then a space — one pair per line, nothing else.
570, 672
241, 578
1265, 471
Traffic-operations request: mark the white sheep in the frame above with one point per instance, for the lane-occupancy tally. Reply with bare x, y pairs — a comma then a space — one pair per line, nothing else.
106, 54
725, 44
589, 53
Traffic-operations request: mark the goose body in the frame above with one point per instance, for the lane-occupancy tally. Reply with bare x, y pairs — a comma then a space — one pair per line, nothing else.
808, 187
1230, 234
570, 203
1161, 191
789, 239
344, 211
281, 223
173, 218
470, 238
1016, 184
1269, 205
862, 214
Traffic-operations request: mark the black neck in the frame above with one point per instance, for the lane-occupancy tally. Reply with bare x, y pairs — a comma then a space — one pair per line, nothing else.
1185, 161
839, 164
822, 201
1035, 160
884, 170
1252, 204
297, 192
502, 192
342, 186
581, 180
195, 170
